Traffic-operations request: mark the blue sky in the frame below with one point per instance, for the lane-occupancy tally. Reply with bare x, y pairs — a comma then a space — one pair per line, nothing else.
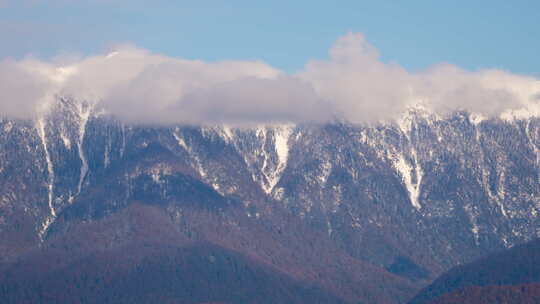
285, 34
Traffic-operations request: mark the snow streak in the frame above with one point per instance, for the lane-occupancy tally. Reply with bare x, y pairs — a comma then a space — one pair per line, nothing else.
50, 178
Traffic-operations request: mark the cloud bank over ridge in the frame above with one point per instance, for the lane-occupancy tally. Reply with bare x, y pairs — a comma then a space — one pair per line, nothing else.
353, 83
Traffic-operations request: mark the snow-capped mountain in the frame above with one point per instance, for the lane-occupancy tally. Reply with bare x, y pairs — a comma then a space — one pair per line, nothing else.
359, 211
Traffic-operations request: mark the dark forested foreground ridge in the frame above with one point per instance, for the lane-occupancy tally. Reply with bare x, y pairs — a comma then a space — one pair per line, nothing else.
509, 276
93, 210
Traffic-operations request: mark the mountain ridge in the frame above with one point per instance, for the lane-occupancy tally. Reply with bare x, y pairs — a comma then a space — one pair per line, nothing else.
511, 275
411, 198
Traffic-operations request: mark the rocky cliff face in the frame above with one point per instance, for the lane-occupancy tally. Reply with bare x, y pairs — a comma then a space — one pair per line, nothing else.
410, 198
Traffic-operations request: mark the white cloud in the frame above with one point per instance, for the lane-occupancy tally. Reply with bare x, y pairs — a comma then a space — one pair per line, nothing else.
139, 86
24, 87
364, 88
359, 85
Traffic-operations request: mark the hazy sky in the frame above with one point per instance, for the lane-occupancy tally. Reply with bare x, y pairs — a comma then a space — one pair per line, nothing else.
249, 62
286, 34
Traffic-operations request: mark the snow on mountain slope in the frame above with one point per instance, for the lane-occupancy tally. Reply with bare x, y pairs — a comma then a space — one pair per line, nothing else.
438, 190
